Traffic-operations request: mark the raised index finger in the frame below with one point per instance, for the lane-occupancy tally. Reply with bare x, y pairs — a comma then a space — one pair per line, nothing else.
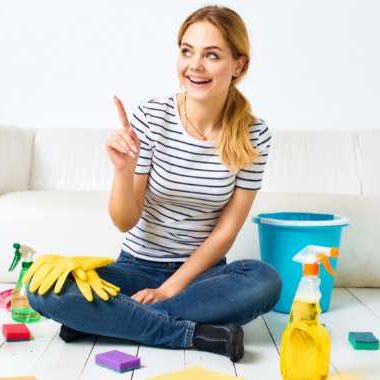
121, 111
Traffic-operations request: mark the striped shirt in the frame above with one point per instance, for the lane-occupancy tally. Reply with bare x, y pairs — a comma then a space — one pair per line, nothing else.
188, 185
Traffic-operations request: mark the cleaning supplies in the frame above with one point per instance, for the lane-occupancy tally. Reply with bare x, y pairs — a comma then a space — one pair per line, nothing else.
53, 270
20, 308
305, 343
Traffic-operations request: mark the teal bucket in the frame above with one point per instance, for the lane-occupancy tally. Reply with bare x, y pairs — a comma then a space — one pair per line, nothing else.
283, 234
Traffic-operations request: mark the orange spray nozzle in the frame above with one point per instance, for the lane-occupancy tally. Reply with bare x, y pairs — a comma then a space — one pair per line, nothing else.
313, 255
326, 263
334, 252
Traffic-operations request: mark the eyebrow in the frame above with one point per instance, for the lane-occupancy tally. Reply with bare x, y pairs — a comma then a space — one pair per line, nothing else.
206, 48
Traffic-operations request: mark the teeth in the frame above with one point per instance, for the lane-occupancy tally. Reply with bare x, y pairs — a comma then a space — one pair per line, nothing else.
199, 81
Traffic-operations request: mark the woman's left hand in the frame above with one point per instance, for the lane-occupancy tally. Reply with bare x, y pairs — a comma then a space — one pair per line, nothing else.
148, 296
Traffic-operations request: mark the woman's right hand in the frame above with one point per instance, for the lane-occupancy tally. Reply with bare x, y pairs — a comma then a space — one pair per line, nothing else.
123, 145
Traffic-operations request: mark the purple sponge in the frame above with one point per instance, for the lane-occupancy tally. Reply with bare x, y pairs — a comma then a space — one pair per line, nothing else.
117, 360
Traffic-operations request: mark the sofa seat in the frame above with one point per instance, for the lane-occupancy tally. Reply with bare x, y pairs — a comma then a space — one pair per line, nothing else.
77, 223
64, 222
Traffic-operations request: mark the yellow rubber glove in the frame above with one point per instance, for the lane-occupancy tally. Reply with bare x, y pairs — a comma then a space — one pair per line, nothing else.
90, 262
102, 288
50, 269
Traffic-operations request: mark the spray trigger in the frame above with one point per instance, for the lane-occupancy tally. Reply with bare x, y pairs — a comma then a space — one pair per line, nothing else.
16, 257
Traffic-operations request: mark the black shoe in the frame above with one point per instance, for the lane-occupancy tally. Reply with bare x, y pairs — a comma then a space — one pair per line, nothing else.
69, 335
221, 339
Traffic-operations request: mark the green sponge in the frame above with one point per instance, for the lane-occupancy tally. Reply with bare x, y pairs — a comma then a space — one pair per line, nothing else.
363, 340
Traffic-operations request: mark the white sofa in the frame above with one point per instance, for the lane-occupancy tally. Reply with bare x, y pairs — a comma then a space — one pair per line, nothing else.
54, 186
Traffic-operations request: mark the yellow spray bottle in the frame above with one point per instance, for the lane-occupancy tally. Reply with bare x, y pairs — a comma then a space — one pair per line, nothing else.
305, 343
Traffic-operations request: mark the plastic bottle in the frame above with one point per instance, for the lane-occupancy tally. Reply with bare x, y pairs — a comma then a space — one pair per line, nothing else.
21, 310
305, 343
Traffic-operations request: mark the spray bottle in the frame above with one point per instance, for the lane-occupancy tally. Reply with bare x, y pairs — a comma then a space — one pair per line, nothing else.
305, 343
20, 309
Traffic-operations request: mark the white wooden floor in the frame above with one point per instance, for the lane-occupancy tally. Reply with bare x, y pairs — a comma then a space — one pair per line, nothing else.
47, 357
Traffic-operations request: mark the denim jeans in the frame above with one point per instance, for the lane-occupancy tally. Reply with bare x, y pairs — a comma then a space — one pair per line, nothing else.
236, 292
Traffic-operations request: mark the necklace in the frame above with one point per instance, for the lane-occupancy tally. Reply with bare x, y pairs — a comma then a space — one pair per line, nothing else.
188, 120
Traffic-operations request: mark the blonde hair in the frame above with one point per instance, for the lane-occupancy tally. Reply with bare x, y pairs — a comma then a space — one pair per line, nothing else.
234, 146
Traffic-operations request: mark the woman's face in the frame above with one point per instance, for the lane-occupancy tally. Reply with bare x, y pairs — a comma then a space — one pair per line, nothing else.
205, 65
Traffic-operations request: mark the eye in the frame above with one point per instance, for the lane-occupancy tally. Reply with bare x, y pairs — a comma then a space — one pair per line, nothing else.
184, 52
213, 56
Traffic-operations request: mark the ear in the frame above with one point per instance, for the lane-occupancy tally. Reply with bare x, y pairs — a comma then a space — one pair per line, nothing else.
240, 64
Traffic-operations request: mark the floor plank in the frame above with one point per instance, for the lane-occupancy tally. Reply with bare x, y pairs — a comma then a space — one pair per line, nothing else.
348, 314
94, 371
209, 360
157, 360
370, 297
47, 356
261, 357
20, 358
63, 360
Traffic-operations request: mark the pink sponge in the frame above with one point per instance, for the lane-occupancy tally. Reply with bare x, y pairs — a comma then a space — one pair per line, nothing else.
15, 332
5, 299
117, 360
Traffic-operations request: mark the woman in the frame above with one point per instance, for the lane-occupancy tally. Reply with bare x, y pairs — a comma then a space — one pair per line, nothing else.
187, 169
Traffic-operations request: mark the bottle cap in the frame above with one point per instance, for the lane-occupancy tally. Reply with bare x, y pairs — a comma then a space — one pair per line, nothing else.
311, 269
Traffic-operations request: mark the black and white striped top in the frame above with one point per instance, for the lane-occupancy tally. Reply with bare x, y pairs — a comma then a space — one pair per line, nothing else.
188, 185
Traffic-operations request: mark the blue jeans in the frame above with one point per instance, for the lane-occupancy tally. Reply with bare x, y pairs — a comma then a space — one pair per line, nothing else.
226, 293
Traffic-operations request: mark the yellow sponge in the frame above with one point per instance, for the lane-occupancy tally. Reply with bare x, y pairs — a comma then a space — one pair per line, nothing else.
195, 373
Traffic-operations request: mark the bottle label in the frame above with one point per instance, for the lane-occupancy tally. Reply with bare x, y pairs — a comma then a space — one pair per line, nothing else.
21, 310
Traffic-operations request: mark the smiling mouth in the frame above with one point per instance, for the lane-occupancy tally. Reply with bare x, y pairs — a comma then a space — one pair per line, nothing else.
199, 81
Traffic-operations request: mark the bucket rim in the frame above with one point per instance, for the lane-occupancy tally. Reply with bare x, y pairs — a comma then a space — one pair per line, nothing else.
264, 218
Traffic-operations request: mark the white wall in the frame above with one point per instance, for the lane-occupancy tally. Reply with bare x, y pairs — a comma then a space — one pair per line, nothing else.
315, 63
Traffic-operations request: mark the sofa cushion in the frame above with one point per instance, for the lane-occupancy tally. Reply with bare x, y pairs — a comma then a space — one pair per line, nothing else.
313, 162
15, 158
70, 159
75, 159
70, 223
368, 152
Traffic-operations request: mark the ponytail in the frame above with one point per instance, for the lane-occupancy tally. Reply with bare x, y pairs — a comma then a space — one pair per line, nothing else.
234, 145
